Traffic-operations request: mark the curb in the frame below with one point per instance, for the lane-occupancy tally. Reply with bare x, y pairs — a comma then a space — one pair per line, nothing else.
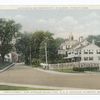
6, 68
40, 86
59, 73
62, 73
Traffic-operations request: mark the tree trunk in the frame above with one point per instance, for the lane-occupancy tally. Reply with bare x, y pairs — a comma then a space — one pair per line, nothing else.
27, 61
2, 58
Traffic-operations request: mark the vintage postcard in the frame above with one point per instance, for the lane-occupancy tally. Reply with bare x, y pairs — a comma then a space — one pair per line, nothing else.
50, 49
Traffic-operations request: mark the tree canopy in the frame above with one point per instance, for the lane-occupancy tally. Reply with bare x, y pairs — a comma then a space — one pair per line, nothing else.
8, 30
96, 38
34, 44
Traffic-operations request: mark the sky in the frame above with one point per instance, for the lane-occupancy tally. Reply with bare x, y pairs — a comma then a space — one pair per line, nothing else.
62, 21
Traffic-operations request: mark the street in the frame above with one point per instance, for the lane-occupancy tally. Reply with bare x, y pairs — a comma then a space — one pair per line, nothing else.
21, 74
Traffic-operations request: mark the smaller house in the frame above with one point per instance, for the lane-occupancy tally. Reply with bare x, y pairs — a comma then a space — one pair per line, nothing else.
11, 57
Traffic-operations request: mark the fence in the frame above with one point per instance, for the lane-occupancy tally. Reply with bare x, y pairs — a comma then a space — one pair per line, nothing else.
71, 65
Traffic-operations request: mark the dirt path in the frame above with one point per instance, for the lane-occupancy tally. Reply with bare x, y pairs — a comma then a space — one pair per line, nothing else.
21, 74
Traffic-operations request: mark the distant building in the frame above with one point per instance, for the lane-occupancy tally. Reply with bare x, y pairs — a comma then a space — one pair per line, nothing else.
80, 51
67, 44
12, 56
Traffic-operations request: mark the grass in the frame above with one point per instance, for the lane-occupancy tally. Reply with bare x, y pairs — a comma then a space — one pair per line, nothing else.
70, 70
3, 65
67, 70
6, 87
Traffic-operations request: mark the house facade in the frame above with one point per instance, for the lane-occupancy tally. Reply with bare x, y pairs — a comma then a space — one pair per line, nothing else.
82, 51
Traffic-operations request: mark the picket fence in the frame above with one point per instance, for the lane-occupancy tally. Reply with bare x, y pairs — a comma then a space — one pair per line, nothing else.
71, 65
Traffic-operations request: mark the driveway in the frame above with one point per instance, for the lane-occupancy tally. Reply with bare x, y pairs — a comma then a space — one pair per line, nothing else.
21, 74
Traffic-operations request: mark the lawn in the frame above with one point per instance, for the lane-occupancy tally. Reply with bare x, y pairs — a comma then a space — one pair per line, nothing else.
77, 70
6, 87
3, 65
66, 70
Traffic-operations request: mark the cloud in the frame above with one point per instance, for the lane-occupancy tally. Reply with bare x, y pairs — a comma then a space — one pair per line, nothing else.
69, 20
41, 21
64, 26
91, 16
20, 18
87, 25
59, 22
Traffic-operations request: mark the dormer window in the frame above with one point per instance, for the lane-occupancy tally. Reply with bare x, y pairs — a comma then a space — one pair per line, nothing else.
90, 51
85, 52
98, 51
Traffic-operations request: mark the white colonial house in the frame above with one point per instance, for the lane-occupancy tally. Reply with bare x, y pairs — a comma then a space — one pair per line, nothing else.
81, 51
12, 56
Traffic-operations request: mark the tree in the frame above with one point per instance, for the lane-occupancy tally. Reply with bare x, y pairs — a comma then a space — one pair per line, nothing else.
37, 38
29, 45
94, 37
23, 46
32, 47
52, 48
8, 30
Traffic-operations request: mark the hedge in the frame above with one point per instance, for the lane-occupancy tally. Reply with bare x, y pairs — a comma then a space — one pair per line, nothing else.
82, 69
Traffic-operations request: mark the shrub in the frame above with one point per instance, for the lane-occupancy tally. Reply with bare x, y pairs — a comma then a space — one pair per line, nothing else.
82, 69
36, 62
78, 69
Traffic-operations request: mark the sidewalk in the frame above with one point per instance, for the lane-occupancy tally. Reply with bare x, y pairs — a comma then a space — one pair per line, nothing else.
6, 68
39, 86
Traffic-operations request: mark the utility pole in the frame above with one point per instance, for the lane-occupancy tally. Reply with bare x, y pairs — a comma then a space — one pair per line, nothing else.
30, 56
46, 54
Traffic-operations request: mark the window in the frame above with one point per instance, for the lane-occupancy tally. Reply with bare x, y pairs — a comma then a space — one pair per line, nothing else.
8, 56
85, 58
98, 58
69, 53
90, 58
98, 51
76, 53
66, 54
90, 52
79, 52
85, 52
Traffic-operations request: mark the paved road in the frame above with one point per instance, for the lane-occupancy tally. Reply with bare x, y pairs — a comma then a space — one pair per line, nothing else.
21, 74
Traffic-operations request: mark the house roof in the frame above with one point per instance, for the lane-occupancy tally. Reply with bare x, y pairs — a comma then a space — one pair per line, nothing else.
68, 42
94, 46
79, 45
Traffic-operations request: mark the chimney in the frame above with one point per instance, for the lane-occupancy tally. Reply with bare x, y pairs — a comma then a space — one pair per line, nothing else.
93, 41
80, 38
